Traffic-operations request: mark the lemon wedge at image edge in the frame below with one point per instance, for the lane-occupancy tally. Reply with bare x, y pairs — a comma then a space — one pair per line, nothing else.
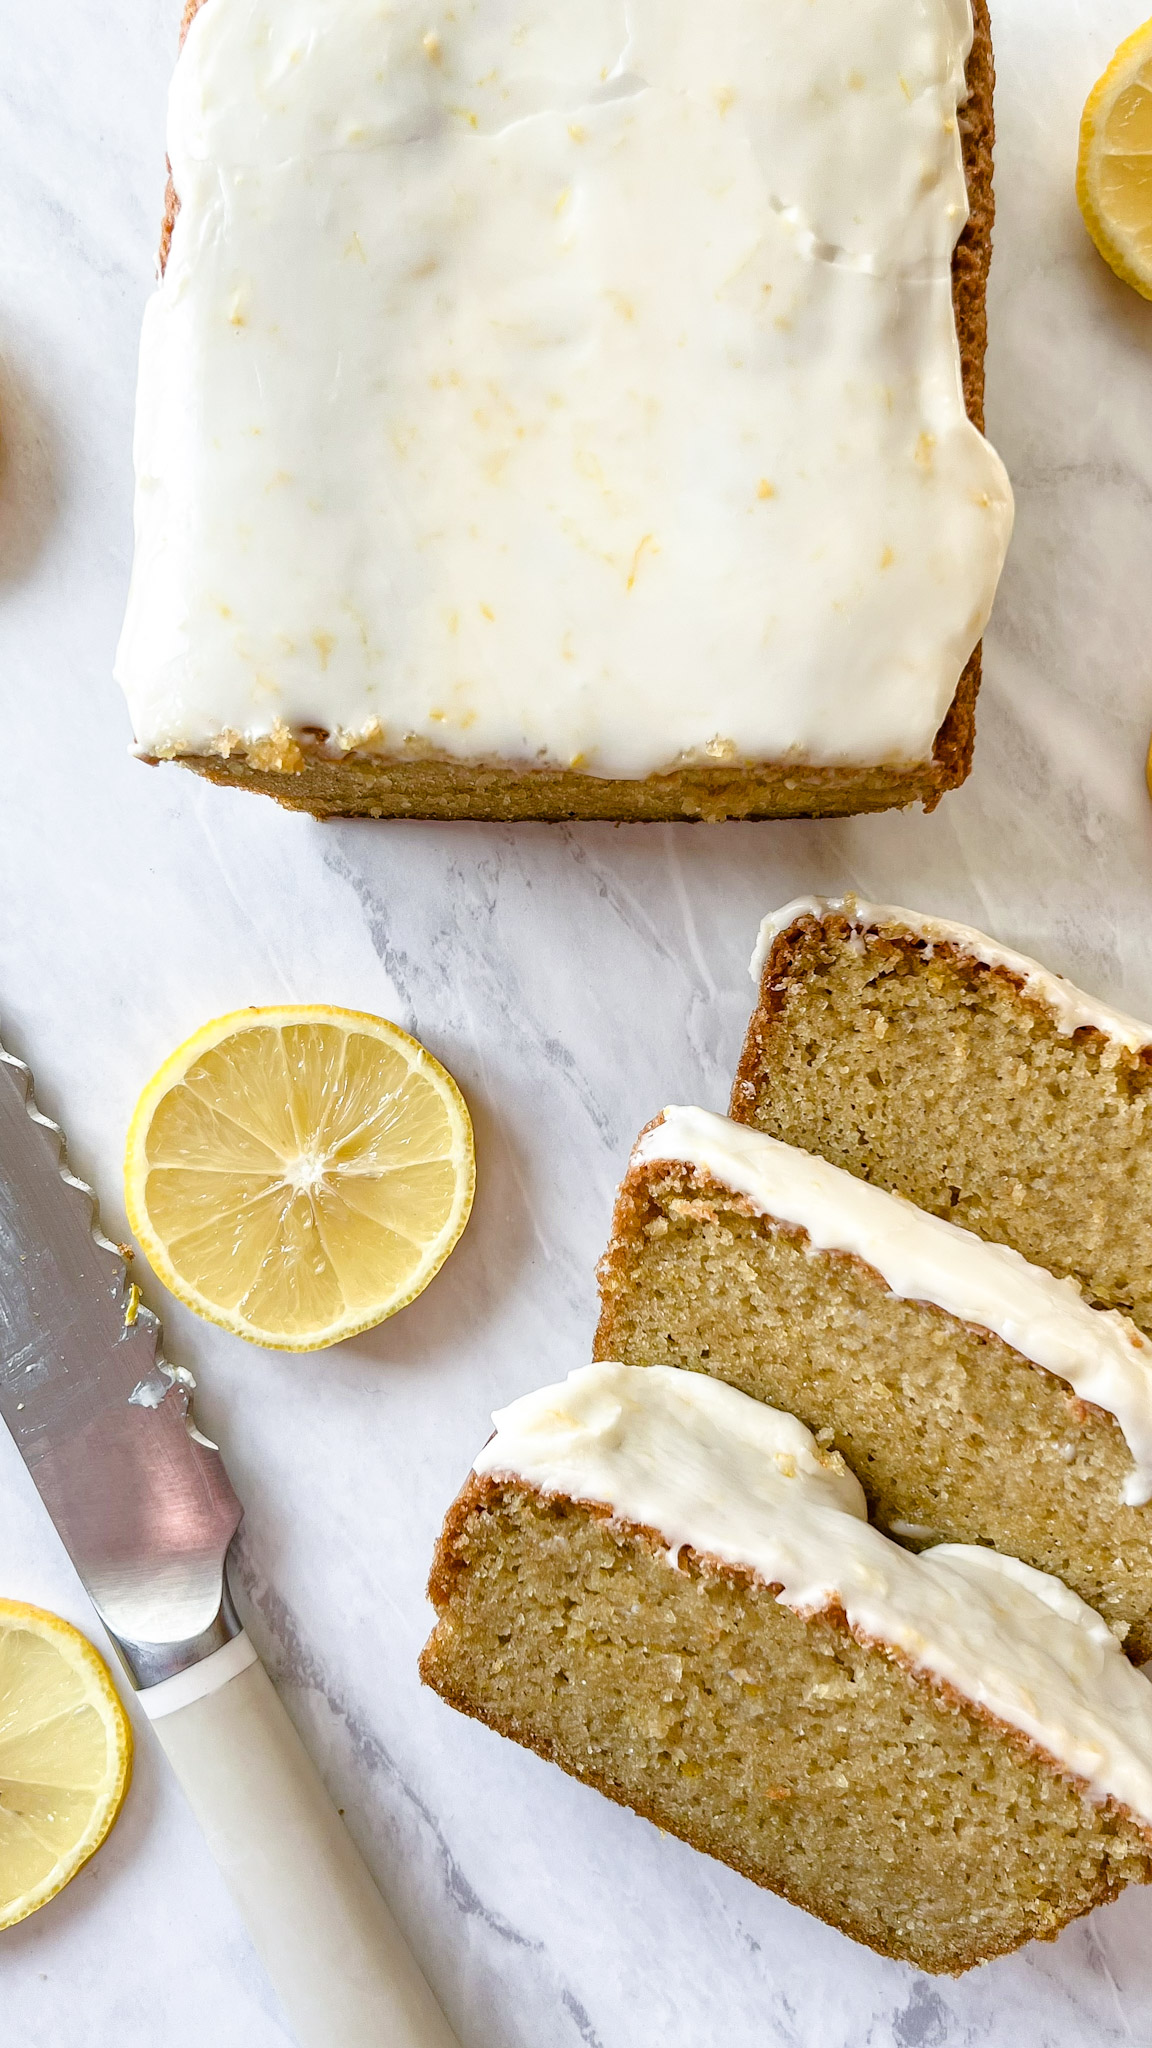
65, 1756
1114, 172
297, 1174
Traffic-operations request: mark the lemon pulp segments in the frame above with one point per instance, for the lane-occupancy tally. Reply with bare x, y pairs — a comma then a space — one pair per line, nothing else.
299, 1174
1114, 173
65, 1756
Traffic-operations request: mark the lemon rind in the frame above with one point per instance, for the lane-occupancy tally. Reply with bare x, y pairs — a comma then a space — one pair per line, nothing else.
1112, 81
172, 1070
83, 1655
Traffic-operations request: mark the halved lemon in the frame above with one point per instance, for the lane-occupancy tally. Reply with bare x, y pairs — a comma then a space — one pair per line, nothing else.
1114, 172
299, 1174
65, 1756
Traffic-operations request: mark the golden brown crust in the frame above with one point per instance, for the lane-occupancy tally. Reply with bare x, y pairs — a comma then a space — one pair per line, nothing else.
366, 785
973, 256
956, 738
480, 1496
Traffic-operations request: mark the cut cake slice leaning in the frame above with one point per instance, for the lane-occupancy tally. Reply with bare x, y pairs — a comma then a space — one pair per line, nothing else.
669, 1590
925, 1057
976, 1397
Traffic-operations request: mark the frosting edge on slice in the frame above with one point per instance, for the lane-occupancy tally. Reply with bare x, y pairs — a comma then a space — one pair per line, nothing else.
1072, 1008
708, 1467
1100, 1353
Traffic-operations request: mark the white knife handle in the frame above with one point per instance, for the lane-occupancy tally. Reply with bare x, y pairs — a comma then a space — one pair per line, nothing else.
344, 1972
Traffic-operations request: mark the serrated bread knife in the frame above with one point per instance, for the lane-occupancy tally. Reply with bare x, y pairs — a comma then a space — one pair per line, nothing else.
146, 1511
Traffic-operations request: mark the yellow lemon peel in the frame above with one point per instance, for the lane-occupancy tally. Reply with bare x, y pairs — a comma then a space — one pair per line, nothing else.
65, 1756
1114, 170
297, 1174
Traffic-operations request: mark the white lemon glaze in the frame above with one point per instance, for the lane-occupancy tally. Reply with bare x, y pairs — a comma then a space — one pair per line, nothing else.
1101, 1354
561, 384
707, 1466
1070, 1006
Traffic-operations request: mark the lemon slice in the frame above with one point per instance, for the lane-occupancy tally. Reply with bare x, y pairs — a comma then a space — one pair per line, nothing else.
298, 1174
65, 1756
1114, 173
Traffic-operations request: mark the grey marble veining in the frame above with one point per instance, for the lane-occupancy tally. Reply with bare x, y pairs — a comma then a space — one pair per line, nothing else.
574, 980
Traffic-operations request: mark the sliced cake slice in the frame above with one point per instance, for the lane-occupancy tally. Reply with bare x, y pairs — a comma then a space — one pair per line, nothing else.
925, 1057
671, 1591
978, 1398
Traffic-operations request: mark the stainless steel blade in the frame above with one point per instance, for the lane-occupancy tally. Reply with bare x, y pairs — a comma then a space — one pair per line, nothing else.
104, 1425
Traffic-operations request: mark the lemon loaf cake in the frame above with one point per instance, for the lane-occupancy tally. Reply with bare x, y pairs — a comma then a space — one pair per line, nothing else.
977, 1398
925, 1057
670, 1590
504, 371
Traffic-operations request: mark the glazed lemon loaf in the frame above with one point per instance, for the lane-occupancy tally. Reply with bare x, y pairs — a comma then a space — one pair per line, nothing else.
924, 1056
977, 1398
671, 1591
502, 374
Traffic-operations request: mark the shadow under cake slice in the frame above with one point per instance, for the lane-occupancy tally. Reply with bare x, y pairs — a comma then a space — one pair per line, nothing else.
669, 1590
925, 1057
977, 1398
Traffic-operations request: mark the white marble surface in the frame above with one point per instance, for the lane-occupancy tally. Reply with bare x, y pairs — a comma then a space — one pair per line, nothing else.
574, 980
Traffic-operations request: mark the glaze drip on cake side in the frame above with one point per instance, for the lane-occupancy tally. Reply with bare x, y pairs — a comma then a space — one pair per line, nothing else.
705, 1465
506, 366
1072, 1009
1102, 1355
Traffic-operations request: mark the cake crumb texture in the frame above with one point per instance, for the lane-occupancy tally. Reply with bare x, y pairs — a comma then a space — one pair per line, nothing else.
954, 1436
817, 1765
920, 1069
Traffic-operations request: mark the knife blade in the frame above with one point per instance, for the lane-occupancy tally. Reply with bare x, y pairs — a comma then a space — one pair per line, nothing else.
103, 1423
147, 1513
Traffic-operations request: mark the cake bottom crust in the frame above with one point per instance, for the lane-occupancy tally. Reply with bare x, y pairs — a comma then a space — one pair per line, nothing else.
371, 785
358, 786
